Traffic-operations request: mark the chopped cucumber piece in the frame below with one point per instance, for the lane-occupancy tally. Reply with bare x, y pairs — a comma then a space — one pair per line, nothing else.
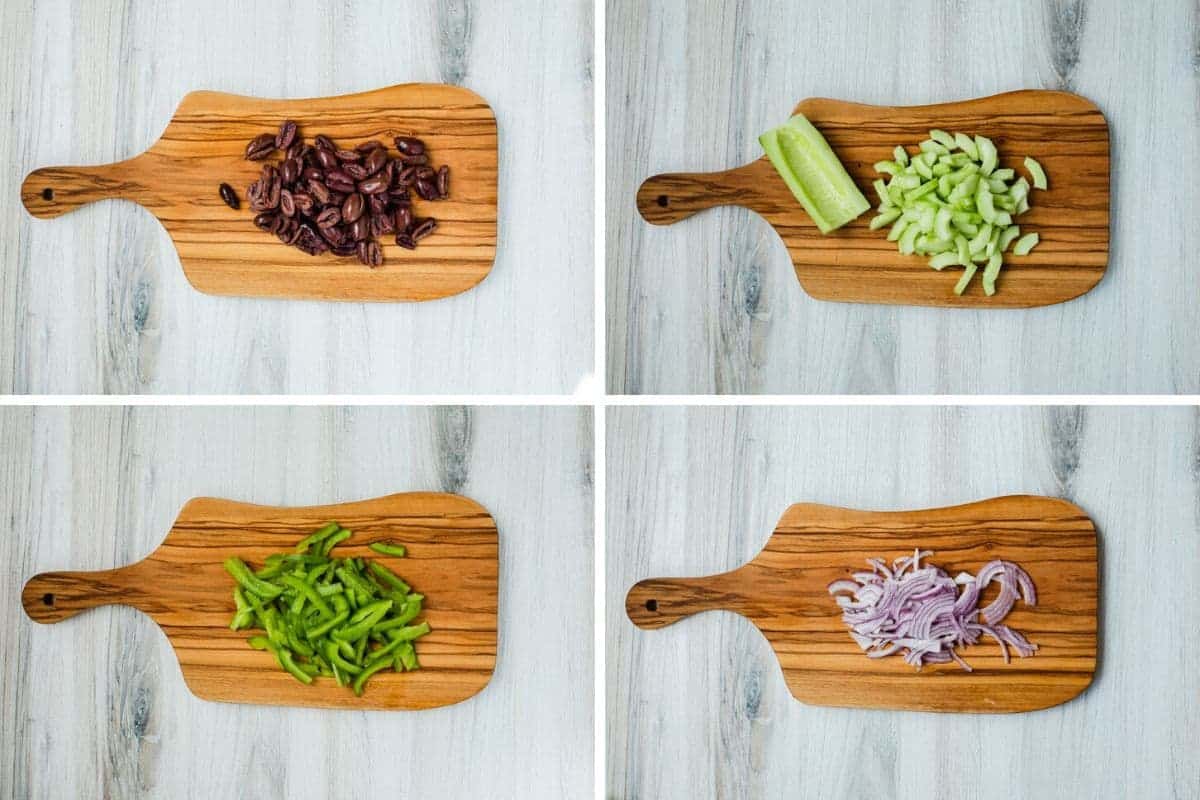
1025, 244
813, 172
886, 218
943, 138
881, 190
1006, 237
968, 273
967, 145
1036, 171
943, 260
987, 154
990, 272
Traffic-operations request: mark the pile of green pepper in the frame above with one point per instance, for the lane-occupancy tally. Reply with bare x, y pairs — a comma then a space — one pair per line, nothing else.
346, 618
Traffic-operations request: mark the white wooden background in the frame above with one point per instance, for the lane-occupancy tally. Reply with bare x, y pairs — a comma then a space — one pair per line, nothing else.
700, 709
96, 302
96, 706
711, 304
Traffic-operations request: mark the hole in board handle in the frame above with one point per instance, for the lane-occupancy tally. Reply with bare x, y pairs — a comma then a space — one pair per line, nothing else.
47, 194
48, 599
662, 200
652, 605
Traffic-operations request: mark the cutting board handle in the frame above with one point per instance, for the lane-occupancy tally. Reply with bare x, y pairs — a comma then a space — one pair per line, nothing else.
53, 191
658, 602
55, 596
664, 199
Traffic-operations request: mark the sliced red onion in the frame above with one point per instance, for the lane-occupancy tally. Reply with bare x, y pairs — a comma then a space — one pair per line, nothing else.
918, 612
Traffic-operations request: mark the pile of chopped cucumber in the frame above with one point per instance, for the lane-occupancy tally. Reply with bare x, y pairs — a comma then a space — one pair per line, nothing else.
346, 618
950, 202
816, 177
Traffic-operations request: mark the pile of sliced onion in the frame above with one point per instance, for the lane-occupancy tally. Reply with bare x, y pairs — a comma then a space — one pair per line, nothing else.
918, 611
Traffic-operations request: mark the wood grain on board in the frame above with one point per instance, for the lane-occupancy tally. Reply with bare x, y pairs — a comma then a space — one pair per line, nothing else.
784, 592
1065, 132
223, 253
453, 559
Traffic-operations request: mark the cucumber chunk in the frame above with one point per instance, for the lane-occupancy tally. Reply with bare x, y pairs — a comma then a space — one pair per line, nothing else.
813, 172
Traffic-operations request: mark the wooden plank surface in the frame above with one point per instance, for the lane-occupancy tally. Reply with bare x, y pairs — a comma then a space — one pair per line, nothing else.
97, 302
223, 253
96, 706
784, 591
700, 709
711, 304
453, 558
1064, 132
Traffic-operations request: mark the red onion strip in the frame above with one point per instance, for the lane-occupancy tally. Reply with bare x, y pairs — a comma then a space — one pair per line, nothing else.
919, 613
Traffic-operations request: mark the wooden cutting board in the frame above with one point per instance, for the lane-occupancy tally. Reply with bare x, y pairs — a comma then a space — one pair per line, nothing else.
453, 559
784, 592
854, 264
222, 252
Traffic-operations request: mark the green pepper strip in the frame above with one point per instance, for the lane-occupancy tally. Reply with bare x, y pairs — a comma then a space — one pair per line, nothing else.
355, 583
410, 633
384, 653
328, 625
406, 656
308, 593
390, 577
270, 621
282, 655
297, 645
332, 541
388, 549
319, 536
363, 621
347, 650
245, 614
291, 666
412, 608
365, 675
335, 658
242, 574
318, 573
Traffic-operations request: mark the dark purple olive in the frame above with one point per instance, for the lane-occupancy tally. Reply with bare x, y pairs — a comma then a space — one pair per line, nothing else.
325, 158
260, 147
404, 218
423, 229
353, 208
229, 196
373, 185
409, 145
286, 135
